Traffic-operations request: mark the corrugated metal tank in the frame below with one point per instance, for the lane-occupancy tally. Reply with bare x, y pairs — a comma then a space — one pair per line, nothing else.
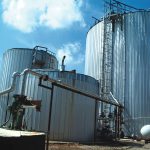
73, 115
18, 59
130, 65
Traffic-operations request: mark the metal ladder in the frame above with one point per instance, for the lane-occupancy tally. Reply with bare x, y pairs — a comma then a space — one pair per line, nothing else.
107, 55
107, 59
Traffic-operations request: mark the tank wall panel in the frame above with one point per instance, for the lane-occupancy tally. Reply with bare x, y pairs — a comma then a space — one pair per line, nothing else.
137, 70
130, 74
94, 52
16, 60
73, 115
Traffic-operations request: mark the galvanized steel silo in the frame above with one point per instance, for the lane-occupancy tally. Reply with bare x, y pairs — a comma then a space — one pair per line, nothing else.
18, 59
130, 65
73, 115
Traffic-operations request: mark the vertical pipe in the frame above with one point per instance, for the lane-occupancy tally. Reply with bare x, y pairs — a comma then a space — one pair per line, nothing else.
23, 82
95, 120
112, 65
102, 113
49, 117
125, 70
116, 117
7, 106
118, 122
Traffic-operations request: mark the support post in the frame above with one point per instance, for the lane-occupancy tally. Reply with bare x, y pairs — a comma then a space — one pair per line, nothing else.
95, 122
49, 117
116, 121
7, 106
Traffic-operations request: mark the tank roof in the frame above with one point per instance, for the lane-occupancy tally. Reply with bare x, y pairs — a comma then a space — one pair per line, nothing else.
35, 48
89, 78
101, 19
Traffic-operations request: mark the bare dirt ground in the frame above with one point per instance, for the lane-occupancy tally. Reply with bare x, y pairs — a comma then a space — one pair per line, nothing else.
124, 144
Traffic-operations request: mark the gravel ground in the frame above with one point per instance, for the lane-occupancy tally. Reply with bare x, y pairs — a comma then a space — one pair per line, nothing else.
124, 144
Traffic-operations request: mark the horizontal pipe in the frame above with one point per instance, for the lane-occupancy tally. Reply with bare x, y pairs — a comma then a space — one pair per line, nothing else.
14, 77
13, 84
67, 87
24, 74
85, 93
56, 83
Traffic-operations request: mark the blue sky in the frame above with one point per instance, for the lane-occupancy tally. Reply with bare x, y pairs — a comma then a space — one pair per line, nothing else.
60, 25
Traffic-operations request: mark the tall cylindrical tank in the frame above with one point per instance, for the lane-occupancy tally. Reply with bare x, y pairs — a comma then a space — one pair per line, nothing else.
18, 59
130, 65
73, 115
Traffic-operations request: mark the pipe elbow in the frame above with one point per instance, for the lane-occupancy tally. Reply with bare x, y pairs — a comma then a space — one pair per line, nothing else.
25, 71
15, 74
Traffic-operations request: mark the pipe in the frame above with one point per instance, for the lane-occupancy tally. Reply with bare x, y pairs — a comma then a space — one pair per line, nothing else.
62, 65
85, 94
114, 98
55, 82
24, 74
50, 116
64, 86
63, 60
7, 105
13, 84
116, 121
95, 121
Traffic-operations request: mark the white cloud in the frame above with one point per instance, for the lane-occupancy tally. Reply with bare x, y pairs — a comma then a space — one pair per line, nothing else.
26, 15
73, 54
